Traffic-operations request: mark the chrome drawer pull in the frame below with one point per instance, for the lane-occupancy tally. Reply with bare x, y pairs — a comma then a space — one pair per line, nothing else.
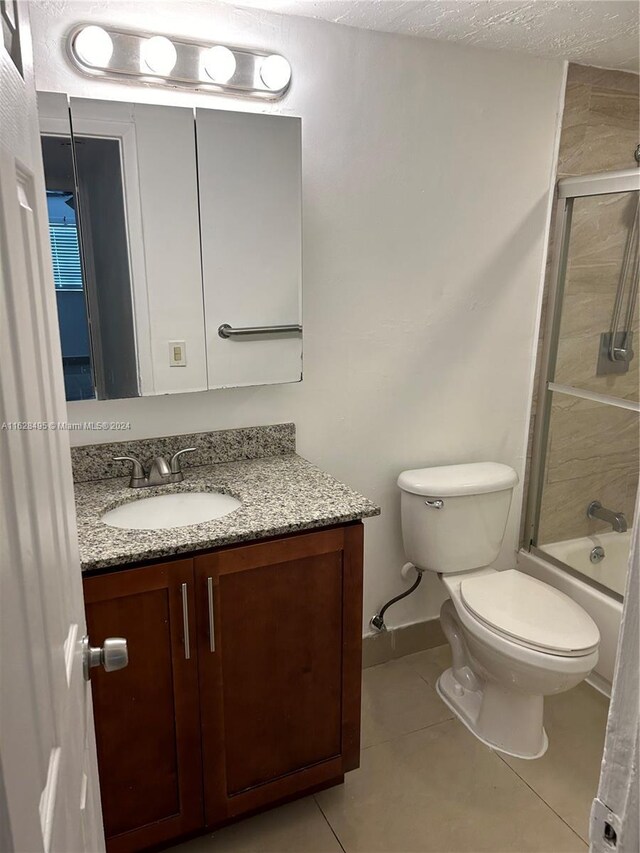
185, 620
212, 627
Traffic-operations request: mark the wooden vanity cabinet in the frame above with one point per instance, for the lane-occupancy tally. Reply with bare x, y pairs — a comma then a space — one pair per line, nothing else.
265, 708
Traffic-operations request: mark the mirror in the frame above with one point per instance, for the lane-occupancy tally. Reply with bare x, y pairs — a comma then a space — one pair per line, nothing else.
167, 224
68, 277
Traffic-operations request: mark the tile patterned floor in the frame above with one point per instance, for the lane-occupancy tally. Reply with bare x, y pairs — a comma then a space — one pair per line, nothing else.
425, 785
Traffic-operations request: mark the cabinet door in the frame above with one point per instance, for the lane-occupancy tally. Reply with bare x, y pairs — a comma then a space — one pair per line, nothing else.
249, 181
147, 717
279, 658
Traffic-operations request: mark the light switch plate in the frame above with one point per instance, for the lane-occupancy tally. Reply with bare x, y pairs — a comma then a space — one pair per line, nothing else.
177, 354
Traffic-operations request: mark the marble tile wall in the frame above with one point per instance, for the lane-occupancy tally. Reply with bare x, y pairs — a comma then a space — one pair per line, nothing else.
593, 449
592, 455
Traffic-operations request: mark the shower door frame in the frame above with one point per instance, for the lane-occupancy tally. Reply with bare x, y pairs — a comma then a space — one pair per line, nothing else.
568, 189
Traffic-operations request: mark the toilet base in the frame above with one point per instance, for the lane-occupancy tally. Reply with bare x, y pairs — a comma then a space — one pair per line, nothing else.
518, 717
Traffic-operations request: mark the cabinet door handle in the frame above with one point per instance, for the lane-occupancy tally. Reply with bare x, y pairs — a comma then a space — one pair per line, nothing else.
185, 620
212, 626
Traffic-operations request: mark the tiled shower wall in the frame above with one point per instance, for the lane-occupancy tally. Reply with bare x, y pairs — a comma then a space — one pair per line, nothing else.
593, 449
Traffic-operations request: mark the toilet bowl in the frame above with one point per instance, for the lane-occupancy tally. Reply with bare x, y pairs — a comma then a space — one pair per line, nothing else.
514, 639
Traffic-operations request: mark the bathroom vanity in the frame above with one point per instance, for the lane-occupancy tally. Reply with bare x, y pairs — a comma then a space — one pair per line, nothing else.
244, 638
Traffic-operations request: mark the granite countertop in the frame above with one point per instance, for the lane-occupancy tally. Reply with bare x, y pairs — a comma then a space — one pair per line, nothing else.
279, 494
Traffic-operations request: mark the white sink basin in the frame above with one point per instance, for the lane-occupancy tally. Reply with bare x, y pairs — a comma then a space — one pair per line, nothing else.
178, 509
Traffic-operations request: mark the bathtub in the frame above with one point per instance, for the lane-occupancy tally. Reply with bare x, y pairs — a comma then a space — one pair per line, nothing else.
610, 572
602, 598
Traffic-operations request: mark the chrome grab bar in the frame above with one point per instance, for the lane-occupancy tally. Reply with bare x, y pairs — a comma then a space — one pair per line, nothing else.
226, 331
619, 349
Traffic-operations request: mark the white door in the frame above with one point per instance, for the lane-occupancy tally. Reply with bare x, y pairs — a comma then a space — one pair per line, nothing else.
48, 776
615, 813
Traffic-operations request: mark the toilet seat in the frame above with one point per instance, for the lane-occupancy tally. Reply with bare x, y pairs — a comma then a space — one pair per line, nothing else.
529, 613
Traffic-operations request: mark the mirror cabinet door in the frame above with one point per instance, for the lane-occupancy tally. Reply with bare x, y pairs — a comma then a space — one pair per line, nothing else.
139, 210
249, 176
64, 234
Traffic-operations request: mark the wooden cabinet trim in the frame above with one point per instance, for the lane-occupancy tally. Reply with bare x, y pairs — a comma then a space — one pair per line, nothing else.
282, 788
253, 556
352, 646
129, 581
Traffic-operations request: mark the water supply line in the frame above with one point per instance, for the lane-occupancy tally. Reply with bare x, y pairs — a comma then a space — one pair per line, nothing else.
377, 621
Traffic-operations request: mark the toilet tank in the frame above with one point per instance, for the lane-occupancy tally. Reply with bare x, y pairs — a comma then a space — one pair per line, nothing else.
454, 516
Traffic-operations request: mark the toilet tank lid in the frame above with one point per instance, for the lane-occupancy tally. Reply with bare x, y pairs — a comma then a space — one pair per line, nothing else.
474, 478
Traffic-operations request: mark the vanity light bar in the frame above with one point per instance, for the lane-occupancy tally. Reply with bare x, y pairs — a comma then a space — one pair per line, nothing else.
121, 54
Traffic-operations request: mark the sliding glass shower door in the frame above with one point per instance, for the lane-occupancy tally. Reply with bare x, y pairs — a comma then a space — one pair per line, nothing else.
584, 475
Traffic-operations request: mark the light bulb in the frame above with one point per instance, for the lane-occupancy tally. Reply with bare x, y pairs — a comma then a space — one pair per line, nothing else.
159, 55
93, 46
219, 63
275, 72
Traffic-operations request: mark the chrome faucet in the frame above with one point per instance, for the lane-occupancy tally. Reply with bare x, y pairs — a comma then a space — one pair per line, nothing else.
615, 519
159, 473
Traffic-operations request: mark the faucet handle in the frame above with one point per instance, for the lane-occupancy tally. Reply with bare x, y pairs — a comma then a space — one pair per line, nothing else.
137, 472
175, 459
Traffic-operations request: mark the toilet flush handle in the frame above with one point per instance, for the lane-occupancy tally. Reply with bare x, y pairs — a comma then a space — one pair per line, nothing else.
436, 504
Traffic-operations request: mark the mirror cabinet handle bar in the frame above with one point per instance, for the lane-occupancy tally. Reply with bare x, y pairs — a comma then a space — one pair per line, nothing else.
212, 627
185, 620
226, 331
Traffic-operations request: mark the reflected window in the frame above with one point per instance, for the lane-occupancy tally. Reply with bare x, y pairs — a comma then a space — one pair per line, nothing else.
67, 268
65, 245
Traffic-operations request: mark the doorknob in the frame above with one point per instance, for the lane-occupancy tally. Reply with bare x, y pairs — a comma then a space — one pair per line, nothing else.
112, 655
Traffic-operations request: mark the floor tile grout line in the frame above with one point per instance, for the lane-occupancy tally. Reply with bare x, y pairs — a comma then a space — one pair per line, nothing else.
428, 683
540, 797
405, 734
420, 675
328, 822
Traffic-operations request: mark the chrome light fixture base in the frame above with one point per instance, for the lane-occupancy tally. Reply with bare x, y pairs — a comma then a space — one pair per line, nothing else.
191, 69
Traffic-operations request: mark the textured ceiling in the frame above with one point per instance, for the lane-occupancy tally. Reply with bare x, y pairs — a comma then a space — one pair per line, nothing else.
592, 32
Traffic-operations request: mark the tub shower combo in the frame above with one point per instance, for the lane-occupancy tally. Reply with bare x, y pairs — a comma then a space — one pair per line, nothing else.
584, 469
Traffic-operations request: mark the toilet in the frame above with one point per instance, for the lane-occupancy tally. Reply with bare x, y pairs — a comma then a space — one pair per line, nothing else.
514, 639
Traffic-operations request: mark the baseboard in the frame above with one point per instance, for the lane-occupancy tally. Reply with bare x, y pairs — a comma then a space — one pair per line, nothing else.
600, 684
397, 642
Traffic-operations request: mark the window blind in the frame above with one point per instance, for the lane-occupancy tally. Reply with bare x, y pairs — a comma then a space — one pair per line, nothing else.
65, 253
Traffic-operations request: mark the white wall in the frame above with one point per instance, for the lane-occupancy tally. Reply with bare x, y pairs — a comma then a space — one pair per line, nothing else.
426, 175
